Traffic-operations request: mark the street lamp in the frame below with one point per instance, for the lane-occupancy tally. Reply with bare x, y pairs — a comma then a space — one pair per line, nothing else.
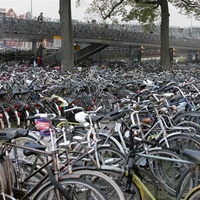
191, 29
31, 9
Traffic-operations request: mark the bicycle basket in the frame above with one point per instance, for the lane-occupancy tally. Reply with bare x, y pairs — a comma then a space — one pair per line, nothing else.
42, 125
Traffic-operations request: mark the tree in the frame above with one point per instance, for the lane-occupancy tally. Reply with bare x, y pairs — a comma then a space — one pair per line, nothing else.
67, 53
146, 11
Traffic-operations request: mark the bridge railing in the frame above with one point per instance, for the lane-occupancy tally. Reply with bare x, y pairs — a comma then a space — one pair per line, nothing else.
91, 31
21, 26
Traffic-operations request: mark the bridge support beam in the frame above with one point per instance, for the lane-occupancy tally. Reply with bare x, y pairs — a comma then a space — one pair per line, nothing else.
171, 54
40, 51
196, 57
34, 48
135, 54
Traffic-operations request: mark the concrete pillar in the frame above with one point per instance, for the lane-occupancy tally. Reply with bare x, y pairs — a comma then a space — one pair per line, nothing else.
190, 55
34, 49
196, 57
40, 51
171, 54
135, 54
139, 57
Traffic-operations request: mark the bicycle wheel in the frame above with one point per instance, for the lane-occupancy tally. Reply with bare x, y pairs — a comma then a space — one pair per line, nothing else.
102, 156
166, 170
195, 195
193, 116
191, 124
110, 156
130, 192
188, 182
25, 169
6, 120
107, 139
33, 138
3, 182
108, 186
149, 181
76, 189
181, 141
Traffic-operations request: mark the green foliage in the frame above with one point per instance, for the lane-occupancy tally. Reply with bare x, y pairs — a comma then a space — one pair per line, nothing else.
144, 13
188, 7
141, 10
123, 10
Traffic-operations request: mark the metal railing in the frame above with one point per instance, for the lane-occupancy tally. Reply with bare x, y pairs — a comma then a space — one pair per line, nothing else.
90, 31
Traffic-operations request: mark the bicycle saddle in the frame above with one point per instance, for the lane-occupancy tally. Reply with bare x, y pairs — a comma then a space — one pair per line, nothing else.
11, 133
33, 145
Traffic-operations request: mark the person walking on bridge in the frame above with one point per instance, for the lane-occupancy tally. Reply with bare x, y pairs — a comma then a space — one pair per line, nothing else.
40, 17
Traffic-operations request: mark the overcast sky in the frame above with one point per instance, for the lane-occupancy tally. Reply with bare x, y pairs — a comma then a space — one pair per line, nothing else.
50, 9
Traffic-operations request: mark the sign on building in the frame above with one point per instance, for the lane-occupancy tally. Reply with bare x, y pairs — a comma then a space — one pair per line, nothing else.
57, 41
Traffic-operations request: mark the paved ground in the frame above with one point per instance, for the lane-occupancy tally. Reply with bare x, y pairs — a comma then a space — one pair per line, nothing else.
163, 195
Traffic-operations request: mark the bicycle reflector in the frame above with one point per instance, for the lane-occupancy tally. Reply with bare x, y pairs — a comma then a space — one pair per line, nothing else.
27, 107
7, 109
16, 106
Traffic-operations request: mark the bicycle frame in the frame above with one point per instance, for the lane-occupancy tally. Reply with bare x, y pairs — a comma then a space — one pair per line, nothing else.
53, 154
7, 149
141, 186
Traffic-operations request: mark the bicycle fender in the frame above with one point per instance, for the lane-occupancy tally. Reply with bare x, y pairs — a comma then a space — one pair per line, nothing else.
135, 179
114, 140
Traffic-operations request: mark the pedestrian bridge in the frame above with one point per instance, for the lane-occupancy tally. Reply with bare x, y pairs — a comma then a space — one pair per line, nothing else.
31, 30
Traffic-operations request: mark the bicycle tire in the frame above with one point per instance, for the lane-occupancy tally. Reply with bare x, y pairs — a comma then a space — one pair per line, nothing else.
3, 181
184, 179
110, 156
6, 120
73, 186
133, 193
25, 169
110, 140
167, 172
181, 141
103, 182
194, 195
4, 176
14, 118
150, 182
190, 124
187, 116
21, 141
102, 156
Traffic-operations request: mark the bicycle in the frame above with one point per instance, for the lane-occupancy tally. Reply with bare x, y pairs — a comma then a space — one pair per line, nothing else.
189, 184
135, 185
111, 188
46, 185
